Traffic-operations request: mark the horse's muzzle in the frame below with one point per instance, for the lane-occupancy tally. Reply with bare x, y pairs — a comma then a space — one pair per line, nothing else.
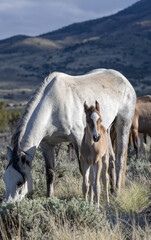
96, 138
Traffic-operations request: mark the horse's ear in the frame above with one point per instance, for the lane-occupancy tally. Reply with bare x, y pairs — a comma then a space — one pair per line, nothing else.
9, 154
22, 157
97, 106
85, 107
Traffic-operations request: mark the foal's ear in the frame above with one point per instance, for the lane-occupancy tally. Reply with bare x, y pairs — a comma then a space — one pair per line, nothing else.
97, 106
85, 107
9, 154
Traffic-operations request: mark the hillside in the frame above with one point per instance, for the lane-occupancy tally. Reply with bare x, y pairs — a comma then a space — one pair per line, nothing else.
121, 41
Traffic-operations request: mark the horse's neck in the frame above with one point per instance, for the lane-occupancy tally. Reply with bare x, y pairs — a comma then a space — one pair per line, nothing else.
34, 132
31, 140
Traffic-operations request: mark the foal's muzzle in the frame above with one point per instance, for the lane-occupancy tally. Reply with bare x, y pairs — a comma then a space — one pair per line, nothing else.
96, 138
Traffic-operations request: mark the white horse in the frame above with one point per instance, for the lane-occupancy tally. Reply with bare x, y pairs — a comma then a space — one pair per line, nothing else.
55, 114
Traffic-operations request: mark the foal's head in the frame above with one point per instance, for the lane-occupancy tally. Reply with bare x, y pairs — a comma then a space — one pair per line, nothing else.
93, 119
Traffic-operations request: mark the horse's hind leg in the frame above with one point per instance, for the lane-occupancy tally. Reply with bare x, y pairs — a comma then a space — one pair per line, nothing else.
122, 130
111, 170
48, 153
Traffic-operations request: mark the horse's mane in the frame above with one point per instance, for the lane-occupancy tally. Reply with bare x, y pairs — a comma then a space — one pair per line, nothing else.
31, 105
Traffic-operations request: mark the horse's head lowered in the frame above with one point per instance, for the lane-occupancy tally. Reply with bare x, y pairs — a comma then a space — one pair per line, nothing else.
17, 177
93, 119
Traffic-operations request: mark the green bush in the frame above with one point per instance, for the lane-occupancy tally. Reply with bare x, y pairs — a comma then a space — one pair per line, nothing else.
8, 117
3, 117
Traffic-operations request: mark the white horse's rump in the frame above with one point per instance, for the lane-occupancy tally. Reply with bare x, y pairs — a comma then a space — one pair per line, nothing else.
55, 114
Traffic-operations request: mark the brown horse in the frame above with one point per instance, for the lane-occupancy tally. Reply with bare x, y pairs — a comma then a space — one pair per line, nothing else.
94, 154
141, 121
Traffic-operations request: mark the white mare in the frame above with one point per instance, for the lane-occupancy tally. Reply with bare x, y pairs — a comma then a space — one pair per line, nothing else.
55, 114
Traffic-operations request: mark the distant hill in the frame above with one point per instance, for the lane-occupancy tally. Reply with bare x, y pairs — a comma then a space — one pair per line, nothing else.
121, 41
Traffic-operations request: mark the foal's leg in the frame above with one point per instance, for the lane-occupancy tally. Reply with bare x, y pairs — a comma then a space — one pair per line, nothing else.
91, 178
48, 153
85, 172
105, 176
96, 186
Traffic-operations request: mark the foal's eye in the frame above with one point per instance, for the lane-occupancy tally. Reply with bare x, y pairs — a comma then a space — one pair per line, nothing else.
88, 121
19, 184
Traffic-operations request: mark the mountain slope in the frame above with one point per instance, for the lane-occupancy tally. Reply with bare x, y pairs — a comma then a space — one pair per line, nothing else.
137, 12
121, 41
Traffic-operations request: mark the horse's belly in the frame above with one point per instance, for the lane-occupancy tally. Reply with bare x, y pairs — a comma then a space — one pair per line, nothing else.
56, 138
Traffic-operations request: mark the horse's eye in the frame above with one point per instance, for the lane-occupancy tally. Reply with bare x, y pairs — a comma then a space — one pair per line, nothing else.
88, 121
19, 184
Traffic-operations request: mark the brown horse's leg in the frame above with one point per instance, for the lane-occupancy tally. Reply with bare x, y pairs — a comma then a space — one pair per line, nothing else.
48, 153
135, 141
124, 169
130, 143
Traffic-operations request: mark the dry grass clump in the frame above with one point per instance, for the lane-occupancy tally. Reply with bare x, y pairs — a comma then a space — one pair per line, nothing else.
133, 198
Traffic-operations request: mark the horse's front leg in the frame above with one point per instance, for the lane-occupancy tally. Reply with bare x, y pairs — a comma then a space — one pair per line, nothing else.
48, 153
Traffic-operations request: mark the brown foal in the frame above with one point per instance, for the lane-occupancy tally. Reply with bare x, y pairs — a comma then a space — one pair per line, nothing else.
94, 154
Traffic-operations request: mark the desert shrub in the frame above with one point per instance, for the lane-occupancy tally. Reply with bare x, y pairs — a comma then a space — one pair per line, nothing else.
28, 217
139, 170
47, 218
67, 216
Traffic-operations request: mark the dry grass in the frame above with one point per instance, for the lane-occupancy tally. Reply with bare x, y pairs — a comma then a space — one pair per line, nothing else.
67, 216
